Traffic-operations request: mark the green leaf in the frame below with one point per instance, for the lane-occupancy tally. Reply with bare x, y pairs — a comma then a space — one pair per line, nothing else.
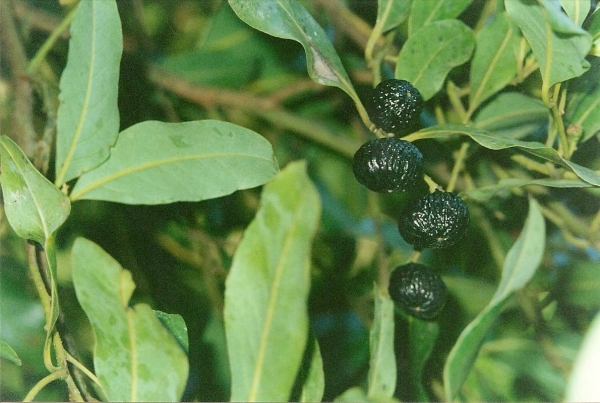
426, 12
88, 117
289, 20
135, 357
593, 27
494, 63
493, 142
422, 337
583, 106
583, 285
486, 192
266, 318
7, 353
34, 207
583, 384
520, 265
156, 162
428, 56
314, 385
391, 13
559, 45
472, 294
512, 115
354, 394
577, 10
176, 325
382, 365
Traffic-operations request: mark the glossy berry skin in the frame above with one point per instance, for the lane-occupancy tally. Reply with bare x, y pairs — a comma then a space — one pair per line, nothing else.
388, 165
417, 290
438, 220
395, 106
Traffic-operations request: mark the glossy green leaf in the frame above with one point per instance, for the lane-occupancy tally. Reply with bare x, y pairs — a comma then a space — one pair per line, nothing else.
577, 10
486, 192
519, 267
382, 365
34, 207
583, 106
176, 325
289, 20
512, 115
314, 385
7, 353
559, 45
493, 142
156, 162
391, 13
583, 384
135, 357
494, 63
426, 12
428, 56
88, 118
266, 318
422, 336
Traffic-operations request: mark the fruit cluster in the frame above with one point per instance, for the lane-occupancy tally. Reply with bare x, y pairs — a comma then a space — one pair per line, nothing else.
436, 220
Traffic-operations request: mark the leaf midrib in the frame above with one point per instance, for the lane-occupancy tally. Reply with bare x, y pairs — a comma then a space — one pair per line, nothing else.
77, 193
258, 369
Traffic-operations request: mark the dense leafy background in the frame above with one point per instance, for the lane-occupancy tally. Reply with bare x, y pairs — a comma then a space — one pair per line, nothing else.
195, 60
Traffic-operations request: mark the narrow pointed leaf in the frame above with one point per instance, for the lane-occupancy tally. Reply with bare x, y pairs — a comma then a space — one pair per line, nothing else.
288, 19
135, 357
7, 353
422, 337
266, 318
494, 63
314, 385
88, 118
583, 107
382, 365
559, 45
428, 56
494, 142
426, 12
156, 162
520, 265
486, 192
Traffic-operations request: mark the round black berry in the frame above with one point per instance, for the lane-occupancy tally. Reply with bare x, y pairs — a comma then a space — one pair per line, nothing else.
388, 165
395, 106
437, 220
418, 290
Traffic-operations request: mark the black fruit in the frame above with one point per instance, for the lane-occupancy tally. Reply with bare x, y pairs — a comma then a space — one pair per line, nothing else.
395, 106
418, 290
437, 220
388, 165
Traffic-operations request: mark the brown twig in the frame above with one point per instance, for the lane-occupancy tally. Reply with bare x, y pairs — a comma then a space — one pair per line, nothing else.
22, 115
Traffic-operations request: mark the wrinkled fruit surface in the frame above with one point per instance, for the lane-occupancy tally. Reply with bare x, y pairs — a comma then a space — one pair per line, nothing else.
388, 165
437, 220
418, 290
395, 106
